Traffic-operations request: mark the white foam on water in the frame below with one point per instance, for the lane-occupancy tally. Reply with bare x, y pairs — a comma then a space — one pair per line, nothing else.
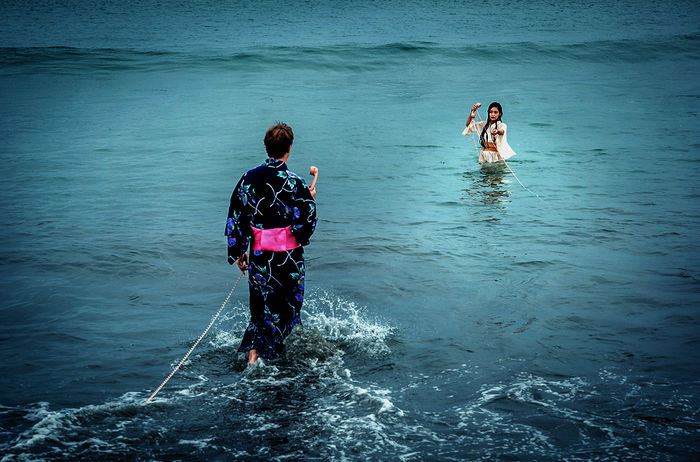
343, 321
200, 444
340, 321
503, 409
334, 408
225, 338
48, 423
51, 435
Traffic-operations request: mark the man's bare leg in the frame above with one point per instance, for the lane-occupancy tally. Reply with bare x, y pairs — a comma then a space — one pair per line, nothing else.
252, 356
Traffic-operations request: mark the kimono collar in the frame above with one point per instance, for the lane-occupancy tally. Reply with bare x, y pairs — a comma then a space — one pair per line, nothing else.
275, 163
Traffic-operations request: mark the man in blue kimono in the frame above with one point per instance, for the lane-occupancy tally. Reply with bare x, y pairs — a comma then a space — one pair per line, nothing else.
274, 212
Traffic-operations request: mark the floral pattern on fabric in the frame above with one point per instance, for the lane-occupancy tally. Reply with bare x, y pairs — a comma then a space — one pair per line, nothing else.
276, 295
271, 196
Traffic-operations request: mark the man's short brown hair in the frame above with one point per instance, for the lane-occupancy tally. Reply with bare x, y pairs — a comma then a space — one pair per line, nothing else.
278, 140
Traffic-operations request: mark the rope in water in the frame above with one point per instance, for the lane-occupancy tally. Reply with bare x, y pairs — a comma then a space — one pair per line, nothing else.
478, 149
516, 177
195, 343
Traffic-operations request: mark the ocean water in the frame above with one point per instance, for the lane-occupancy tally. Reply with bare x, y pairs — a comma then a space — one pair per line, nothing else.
451, 313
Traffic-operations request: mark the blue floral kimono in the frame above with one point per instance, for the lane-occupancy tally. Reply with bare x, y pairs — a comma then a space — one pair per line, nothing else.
270, 196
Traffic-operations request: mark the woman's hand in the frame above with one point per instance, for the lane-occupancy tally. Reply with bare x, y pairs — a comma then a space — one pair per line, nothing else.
472, 115
474, 108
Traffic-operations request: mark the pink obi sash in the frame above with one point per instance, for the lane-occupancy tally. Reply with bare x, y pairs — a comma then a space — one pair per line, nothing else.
275, 239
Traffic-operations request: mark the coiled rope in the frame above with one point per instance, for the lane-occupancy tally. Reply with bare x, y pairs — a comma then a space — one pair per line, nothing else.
195, 343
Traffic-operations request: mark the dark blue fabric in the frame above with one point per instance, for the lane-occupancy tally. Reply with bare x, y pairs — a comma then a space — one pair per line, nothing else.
271, 196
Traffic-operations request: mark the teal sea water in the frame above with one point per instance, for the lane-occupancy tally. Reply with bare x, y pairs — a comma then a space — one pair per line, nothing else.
450, 314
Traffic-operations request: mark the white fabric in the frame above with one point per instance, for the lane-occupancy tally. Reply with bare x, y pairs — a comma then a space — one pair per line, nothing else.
501, 141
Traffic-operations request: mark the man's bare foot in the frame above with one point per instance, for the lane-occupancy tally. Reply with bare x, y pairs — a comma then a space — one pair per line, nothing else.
252, 356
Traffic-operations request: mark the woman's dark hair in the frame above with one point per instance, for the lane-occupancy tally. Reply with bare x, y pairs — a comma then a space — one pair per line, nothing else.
278, 139
482, 137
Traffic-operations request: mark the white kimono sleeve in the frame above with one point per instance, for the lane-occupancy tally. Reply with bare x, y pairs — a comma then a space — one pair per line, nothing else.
473, 127
504, 150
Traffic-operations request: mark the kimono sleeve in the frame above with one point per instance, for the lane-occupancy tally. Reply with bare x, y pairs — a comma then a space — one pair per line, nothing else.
237, 223
504, 149
304, 219
474, 126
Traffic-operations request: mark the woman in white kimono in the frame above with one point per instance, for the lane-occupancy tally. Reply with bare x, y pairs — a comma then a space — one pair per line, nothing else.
492, 134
